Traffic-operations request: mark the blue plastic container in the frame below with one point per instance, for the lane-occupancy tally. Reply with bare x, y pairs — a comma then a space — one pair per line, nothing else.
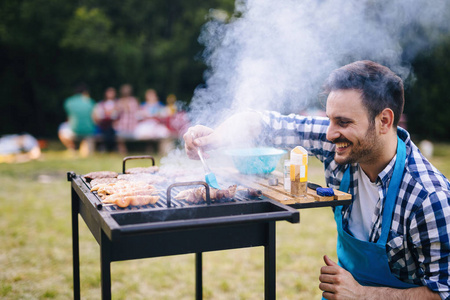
260, 160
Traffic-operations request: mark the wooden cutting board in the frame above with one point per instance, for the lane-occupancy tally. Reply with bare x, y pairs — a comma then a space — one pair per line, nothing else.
277, 192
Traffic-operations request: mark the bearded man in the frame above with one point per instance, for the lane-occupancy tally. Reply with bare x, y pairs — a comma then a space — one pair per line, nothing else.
393, 240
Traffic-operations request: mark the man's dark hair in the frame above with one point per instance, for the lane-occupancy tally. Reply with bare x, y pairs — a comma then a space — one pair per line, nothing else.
379, 86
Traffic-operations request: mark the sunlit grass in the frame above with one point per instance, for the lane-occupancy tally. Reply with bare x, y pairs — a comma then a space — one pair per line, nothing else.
36, 253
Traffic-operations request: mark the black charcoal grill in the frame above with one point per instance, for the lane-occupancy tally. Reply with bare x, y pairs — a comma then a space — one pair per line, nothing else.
174, 227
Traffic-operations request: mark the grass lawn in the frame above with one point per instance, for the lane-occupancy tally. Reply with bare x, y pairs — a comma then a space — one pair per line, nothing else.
36, 254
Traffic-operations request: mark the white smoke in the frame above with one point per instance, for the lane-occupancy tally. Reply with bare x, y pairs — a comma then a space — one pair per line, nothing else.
276, 54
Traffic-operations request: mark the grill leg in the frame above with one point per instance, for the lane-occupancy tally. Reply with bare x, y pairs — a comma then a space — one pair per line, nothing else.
270, 263
105, 261
198, 276
75, 246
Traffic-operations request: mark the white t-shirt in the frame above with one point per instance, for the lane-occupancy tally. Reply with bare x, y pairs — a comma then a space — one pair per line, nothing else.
360, 222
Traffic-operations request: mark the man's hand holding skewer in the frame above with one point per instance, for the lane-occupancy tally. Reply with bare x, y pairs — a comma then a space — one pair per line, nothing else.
200, 136
239, 129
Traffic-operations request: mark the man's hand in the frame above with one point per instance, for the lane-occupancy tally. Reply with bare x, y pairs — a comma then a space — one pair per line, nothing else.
239, 129
199, 137
338, 283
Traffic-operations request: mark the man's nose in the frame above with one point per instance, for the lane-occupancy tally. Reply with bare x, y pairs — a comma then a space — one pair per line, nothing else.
332, 133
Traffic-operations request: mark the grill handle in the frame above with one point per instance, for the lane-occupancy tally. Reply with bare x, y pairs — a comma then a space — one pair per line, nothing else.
136, 157
169, 190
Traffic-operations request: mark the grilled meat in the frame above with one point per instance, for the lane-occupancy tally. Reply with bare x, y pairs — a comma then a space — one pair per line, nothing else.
141, 170
98, 181
197, 195
100, 174
124, 201
124, 193
142, 177
250, 192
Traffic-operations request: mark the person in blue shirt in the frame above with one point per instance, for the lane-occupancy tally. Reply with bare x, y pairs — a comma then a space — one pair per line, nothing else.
393, 240
152, 107
80, 124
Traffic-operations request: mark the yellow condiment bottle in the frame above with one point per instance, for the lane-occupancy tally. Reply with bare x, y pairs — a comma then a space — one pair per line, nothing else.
299, 171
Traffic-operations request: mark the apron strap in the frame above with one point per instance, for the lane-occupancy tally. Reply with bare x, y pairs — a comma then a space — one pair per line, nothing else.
345, 185
392, 193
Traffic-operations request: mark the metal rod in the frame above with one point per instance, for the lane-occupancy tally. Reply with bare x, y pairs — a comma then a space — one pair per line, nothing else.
169, 190
203, 222
136, 157
198, 276
75, 246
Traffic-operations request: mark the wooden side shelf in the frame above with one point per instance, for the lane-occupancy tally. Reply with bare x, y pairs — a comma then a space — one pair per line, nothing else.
277, 192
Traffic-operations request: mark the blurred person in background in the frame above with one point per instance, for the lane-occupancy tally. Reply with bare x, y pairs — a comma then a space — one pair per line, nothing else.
19, 148
127, 116
177, 120
152, 106
171, 108
153, 124
80, 125
105, 113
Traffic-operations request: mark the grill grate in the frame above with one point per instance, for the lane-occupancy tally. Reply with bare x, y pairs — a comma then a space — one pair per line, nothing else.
162, 202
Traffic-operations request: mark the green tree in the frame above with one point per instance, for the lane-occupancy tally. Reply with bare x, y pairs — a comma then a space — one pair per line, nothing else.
427, 100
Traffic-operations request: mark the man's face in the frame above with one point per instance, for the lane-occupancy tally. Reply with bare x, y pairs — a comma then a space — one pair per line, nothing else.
350, 129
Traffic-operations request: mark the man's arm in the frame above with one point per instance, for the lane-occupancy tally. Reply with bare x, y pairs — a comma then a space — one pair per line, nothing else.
423, 293
239, 128
338, 283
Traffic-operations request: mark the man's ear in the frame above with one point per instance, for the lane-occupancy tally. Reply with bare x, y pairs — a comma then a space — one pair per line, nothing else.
386, 120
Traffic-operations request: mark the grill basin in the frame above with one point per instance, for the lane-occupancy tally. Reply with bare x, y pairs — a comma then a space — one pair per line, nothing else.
195, 217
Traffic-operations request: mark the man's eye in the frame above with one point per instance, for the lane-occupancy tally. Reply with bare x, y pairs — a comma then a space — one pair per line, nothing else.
344, 123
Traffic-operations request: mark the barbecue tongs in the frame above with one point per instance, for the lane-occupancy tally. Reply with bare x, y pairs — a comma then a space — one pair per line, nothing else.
210, 177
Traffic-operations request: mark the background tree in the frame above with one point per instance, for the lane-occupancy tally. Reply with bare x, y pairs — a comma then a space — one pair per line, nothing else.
428, 97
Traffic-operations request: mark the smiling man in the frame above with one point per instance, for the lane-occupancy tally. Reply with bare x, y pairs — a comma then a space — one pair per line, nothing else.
393, 240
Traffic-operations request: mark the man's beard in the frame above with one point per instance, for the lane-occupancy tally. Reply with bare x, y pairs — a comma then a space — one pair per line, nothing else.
364, 151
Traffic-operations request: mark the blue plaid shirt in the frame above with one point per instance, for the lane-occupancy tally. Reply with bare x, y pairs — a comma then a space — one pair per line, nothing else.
418, 245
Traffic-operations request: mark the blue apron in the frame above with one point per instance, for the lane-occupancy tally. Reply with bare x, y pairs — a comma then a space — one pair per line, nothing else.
367, 261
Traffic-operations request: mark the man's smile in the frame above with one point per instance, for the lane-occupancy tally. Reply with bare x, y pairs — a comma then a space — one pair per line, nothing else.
342, 146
